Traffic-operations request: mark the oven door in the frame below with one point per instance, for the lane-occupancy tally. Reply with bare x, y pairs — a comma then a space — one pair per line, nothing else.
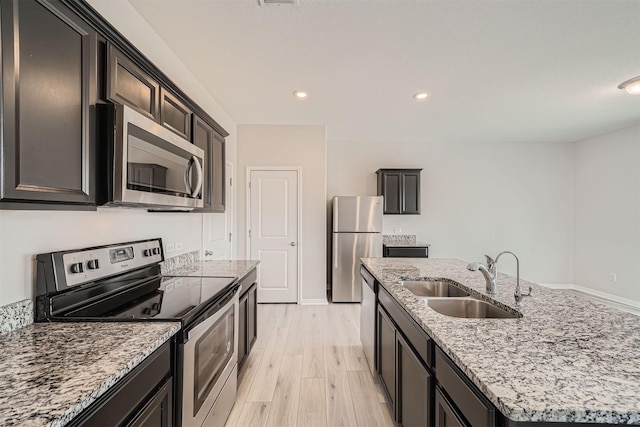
153, 166
210, 356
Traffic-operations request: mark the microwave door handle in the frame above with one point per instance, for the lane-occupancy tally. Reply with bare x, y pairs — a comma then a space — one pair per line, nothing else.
187, 175
196, 191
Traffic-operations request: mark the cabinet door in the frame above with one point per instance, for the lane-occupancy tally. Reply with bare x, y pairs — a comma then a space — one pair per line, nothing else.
128, 84
252, 317
414, 385
242, 328
158, 411
386, 355
411, 193
213, 145
389, 186
49, 87
174, 115
446, 415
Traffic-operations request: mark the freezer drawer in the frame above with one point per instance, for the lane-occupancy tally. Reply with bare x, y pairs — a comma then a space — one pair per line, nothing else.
347, 249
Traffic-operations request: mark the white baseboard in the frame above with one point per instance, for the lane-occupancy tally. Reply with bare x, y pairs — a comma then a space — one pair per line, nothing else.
314, 301
616, 301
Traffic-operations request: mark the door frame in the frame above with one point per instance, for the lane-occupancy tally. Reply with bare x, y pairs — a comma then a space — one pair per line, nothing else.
298, 170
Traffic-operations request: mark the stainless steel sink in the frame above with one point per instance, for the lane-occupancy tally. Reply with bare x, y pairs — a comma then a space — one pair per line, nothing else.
434, 288
469, 308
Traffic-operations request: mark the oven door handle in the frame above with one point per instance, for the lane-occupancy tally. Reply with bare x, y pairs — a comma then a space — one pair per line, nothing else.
211, 316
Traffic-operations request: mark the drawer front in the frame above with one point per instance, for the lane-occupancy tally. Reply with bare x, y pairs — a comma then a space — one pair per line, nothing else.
422, 344
471, 405
406, 252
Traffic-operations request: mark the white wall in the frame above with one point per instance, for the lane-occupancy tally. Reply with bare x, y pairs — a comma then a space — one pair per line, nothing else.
297, 146
476, 199
24, 234
607, 213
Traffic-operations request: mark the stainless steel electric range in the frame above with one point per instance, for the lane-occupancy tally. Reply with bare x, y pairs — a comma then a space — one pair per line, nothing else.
122, 282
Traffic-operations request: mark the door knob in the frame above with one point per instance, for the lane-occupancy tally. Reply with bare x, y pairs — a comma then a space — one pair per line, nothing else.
208, 253
292, 243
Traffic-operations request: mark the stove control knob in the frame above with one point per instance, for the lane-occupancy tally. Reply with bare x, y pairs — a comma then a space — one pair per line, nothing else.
77, 268
146, 311
93, 264
147, 252
156, 251
156, 306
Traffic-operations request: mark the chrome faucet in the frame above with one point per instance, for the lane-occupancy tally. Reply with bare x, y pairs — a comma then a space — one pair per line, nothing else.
490, 275
518, 295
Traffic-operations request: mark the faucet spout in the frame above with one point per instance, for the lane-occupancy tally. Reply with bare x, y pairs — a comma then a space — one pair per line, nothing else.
489, 278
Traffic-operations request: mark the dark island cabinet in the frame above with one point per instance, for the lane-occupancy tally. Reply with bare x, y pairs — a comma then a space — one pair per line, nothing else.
400, 189
143, 398
128, 84
247, 322
446, 416
49, 74
205, 137
404, 372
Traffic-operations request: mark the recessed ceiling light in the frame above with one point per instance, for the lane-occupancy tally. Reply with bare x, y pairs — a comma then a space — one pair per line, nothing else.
420, 96
632, 86
300, 94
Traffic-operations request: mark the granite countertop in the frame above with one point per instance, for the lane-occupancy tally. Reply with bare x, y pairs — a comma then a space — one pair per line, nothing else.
50, 372
405, 244
568, 359
216, 268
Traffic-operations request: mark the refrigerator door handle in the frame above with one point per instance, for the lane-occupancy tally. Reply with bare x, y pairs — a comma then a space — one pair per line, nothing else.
335, 251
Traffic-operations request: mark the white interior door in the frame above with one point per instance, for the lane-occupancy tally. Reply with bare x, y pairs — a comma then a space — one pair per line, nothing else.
217, 227
273, 233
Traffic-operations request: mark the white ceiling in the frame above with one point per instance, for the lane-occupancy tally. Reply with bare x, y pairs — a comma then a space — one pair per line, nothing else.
511, 70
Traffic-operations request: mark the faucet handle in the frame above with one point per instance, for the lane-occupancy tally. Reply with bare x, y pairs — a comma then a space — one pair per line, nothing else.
491, 264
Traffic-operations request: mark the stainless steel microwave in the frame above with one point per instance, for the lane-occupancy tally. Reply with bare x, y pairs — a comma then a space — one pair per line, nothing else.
145, 164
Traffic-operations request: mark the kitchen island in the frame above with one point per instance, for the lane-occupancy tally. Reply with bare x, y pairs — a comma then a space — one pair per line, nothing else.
566, 360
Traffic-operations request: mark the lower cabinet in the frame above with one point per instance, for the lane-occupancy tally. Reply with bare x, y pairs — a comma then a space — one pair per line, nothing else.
247, 326
404, 376
414, 385
446, 416
144, 397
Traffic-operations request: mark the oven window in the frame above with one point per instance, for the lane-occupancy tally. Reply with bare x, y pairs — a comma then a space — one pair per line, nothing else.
213, 351
155, 165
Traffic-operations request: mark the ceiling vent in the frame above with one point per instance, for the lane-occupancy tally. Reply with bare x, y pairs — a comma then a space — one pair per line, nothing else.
279, 2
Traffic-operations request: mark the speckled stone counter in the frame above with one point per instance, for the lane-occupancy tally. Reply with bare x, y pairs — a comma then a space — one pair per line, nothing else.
15, 316
216, 268
50, 372
567, 359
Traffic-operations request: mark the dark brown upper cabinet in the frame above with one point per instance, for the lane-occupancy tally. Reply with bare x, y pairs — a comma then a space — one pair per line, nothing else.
48, 97
205, 137
174, 115
128, 84
400, 189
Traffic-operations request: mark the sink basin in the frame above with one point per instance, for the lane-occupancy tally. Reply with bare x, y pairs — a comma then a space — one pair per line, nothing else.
433, 288
469, 308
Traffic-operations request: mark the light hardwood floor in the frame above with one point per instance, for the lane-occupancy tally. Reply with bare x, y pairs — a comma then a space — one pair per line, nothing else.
307, 368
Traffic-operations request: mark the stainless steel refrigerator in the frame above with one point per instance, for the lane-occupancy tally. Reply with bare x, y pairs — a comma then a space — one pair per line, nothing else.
357, 233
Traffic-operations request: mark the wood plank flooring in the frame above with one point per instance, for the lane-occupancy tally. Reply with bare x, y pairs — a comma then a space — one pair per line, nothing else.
307, 368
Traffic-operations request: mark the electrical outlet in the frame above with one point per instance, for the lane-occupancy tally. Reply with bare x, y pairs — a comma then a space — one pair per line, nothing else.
170, 248
179, 246
612, 277
397, 231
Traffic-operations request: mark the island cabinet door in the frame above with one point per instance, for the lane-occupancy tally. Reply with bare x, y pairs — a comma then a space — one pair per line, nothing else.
414, 398
445, 415
242, 329
387, 355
